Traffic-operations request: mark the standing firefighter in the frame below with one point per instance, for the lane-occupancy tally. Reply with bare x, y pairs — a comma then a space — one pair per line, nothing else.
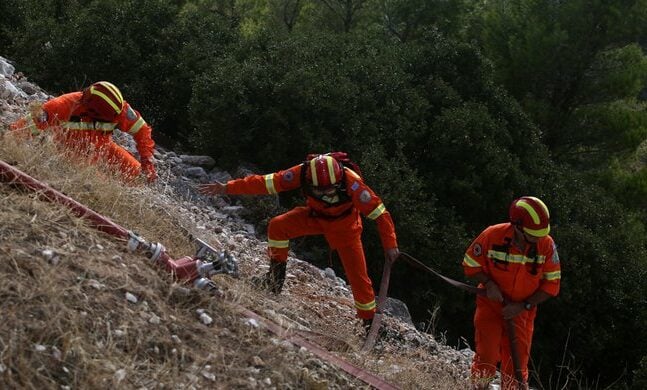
83, 121
335, 197
518, 265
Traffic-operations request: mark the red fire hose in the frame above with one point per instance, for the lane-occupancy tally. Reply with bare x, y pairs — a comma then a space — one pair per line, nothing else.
381, 301
509, 324
196, 269
187, 269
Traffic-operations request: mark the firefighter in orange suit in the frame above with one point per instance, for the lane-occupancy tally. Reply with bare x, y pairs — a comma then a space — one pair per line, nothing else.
84, 121
518, 265
336, 195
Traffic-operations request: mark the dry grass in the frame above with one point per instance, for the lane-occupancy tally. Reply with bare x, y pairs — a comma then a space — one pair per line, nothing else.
66, 322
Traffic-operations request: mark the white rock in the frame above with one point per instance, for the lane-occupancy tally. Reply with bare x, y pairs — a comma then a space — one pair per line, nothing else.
95, 284
8, 91
131, 298
205, 319
252, 322
120, 375
209, 375
6, 69
50, 256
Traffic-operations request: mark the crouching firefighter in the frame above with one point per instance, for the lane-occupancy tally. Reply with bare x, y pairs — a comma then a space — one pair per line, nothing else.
335, 197
83, 122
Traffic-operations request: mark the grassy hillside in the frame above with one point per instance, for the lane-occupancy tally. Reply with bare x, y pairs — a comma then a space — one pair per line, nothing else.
67, 322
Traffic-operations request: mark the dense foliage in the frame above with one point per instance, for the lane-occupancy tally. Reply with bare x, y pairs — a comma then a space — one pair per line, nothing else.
452, 109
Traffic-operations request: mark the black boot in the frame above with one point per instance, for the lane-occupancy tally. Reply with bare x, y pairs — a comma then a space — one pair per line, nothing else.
274, 278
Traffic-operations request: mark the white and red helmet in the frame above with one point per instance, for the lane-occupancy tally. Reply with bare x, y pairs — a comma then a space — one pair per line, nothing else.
531, 215
323, 171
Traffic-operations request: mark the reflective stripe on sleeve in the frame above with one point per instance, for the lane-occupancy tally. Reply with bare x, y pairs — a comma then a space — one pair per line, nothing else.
555, 275
278, 243
379, 210
134, 129
269, 183
468, 261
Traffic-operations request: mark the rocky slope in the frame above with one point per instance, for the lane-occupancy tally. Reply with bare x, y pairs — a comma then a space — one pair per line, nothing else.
95, 315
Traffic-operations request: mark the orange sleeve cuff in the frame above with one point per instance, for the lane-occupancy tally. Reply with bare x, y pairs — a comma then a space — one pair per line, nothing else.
550, 287
386, 228
145, 143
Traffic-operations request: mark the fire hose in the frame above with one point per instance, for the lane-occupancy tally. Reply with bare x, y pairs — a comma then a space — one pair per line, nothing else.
509, 323
196, 270
381, 300
189, 269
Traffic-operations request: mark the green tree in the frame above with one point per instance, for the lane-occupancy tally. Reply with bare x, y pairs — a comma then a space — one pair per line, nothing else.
601, 309
407, 19
574, 66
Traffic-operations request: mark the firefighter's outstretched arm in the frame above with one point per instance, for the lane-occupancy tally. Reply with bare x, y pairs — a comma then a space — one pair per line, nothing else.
215, 188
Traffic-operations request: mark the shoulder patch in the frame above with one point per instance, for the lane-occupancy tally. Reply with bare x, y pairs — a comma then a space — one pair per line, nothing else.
477, 249
288, 176
365, 196
131, 114
354, 186
555, 258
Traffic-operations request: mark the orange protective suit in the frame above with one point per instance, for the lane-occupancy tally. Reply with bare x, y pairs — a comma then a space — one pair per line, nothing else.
73, 127
518, 275
340, 223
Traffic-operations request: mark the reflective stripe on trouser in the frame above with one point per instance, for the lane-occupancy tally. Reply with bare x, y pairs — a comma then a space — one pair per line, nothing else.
343, 234
493, 345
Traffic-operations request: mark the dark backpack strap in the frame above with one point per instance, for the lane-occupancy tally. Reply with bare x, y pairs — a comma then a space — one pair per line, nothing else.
532, 253
505, 247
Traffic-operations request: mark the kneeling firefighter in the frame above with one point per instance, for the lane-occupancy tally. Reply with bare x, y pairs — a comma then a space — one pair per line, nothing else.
83, 122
